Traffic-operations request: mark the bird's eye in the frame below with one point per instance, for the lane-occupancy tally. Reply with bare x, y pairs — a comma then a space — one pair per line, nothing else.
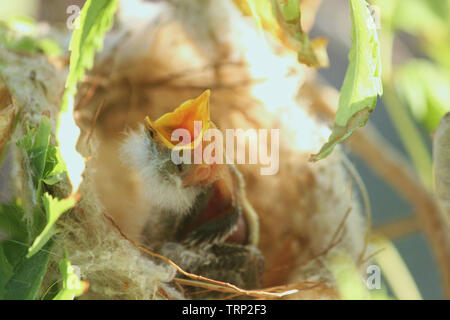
150, 133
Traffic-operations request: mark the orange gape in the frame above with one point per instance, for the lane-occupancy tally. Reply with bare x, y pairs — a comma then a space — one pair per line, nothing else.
183, 117
203, 173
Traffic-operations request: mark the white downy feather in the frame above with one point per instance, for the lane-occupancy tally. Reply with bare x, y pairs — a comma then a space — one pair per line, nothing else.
164, 191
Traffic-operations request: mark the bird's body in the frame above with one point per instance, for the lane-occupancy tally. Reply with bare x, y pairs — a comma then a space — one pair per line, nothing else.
199, 215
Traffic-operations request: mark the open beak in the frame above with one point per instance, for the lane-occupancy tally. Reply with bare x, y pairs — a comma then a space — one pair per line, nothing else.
183, 117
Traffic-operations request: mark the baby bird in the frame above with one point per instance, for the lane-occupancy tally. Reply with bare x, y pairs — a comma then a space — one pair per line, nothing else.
199, 216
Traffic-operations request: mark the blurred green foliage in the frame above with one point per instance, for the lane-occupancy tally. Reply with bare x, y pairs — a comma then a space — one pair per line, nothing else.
423, 85
20, 33
28, 8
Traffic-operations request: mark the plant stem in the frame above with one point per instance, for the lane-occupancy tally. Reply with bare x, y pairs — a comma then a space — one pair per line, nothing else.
404, 125
395, 270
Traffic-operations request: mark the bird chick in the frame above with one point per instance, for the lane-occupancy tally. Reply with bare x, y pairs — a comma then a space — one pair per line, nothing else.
199, 216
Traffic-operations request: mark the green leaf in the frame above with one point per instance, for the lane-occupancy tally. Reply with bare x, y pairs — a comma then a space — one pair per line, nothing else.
45, 159
46, 166
12, 224
362, 82
96, 19
291, 10
14, 239
38, 153
27, 278
72, 285
54, 208
282, 19
55, 168
287, 14
36, 144
13, 242
6, 269
26, 142
20, 278
424, 87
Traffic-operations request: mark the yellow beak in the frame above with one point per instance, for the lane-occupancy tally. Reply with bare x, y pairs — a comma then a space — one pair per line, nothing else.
183, 117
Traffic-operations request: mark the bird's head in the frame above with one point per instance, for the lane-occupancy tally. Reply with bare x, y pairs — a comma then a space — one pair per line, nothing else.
151, 150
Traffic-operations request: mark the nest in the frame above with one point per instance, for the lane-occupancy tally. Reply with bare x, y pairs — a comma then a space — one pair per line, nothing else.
147, 67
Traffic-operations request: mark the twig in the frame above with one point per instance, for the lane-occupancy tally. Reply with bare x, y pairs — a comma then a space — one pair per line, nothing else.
203, 282
365, 195
373, 254
274, 292
337, 236
180, 287
231, 296
94, 121
87, 96
196, 292
399, 228
163, 292
335, 240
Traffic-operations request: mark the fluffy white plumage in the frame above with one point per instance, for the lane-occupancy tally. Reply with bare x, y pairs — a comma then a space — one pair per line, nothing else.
164, 191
